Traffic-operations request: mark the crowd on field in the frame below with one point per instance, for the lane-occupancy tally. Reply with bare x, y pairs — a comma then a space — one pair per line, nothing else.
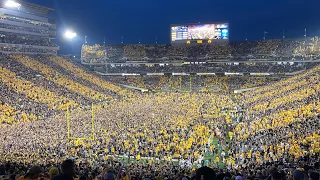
271, 132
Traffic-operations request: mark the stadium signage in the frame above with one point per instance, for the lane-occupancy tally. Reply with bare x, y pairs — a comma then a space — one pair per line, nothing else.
155, 74
260, 74
180, 74
238, 74
204, 74
130, 74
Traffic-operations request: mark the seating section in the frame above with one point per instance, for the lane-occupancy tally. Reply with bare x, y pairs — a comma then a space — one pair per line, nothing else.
195, 83
302, 48
80, 72
60, 79
32, 90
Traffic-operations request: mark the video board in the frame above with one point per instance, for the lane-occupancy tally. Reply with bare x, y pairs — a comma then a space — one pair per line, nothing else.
199, 32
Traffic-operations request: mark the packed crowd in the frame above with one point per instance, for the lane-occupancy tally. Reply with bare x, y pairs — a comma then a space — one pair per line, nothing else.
116, 170
26, 40
27, 21
31, 90
204, 68
269, 49
271, 132
194, 83
26, 50
27, 29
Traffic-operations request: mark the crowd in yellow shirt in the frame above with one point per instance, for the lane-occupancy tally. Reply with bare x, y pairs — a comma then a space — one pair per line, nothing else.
34, 92
205, 84
163, 125
279, 119
60, 79
80, 72
10, 115
28, 95
271, 124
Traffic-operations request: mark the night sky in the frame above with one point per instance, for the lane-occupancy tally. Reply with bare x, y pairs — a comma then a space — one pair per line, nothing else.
146, 19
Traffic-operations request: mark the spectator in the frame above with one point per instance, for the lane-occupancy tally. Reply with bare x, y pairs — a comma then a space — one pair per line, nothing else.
33, 173
53, 172
68, 171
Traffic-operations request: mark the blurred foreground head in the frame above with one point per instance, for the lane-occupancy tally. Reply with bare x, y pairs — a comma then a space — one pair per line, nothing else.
68, 167
34, 172
205, 173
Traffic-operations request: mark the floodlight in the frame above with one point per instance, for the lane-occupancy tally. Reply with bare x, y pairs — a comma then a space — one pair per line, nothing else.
12, 4
70, 34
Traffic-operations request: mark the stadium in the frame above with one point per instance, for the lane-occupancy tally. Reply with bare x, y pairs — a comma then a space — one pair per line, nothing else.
199, 108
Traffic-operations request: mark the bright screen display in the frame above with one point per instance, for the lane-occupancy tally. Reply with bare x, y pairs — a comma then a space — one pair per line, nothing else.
199, 32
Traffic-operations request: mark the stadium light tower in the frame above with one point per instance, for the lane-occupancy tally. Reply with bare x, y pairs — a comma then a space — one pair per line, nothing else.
305, 32
12, 4
70, 34
264, 35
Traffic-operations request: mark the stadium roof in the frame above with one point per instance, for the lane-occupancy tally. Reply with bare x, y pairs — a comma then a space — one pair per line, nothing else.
34, 8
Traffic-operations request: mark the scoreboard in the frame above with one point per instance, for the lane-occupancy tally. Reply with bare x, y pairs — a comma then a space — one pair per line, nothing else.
199, 33
179, 33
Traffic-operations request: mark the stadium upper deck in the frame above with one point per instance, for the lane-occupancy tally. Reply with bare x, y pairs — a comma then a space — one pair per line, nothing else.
306, 48
29, 7
25, 28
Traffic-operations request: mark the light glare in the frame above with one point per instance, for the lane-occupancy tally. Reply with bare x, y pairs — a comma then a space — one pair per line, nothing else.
12, 4
70, 35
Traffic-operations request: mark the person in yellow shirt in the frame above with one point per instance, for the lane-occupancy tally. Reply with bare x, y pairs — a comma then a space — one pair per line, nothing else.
217, 159
230, 135
138, 157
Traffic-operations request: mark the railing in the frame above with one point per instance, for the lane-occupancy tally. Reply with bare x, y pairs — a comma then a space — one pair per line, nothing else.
29, 46
13, 52
202, 74
6, 48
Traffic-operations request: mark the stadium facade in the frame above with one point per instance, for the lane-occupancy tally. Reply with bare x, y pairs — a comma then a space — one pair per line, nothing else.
26, 28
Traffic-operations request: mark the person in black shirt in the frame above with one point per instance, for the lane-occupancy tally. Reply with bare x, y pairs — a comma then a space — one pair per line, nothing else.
68, 170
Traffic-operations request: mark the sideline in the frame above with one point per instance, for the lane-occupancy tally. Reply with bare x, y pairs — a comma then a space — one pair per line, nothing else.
134, 88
